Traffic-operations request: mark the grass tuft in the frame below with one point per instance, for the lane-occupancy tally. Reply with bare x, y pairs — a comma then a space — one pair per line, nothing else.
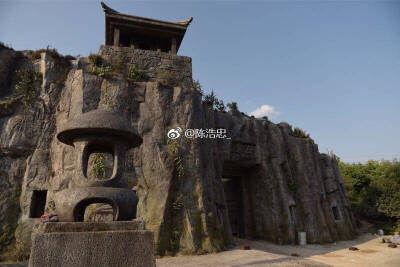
137, 75
297, 132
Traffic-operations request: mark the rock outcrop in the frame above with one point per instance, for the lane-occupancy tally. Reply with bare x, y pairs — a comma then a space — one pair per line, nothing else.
284, 184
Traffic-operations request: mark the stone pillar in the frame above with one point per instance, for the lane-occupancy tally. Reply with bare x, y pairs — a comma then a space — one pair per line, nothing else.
116, 37
173, 46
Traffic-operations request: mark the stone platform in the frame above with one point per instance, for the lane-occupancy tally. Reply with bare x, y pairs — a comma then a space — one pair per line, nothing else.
93, 244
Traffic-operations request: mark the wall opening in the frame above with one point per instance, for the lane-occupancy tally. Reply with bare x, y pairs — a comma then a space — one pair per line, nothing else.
96, 210
100, 165
38, 203
336, 213
234, 203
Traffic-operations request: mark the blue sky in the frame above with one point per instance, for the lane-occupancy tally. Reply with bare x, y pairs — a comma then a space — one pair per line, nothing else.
330, 67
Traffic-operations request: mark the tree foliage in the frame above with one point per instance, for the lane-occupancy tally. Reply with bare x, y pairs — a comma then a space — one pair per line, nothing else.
389, 201
233, 106
373, 189
26, 85
212, 101
297, 132
197, 86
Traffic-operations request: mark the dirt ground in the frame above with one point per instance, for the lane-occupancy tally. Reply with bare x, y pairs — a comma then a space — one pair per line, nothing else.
371, 253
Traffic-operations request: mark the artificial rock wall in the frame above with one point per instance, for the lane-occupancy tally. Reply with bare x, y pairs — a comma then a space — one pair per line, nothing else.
286, 185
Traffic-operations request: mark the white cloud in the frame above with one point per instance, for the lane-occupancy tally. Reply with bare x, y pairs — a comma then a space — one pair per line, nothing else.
264, 110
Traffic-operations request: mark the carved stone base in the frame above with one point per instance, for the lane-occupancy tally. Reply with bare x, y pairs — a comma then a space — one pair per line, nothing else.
93, 244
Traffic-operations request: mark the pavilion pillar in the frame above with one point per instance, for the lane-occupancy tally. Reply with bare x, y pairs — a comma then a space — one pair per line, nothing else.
173, 46
116, 36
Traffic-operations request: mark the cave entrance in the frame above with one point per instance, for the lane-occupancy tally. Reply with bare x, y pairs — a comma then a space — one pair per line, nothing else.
38, 203
234, 204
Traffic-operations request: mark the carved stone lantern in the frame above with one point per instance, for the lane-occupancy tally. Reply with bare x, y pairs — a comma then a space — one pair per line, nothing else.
97, 131
71, 242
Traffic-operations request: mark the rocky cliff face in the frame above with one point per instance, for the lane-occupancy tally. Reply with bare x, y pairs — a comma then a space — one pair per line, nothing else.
284, 185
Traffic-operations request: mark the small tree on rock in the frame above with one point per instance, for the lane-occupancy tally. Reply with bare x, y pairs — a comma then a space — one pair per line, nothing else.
233, 106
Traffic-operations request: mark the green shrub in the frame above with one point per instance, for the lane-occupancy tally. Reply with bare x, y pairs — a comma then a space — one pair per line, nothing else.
99, 168
212, 101
397, 228
389, 201
197, 86
97, 66
136, 74
220, 106
51, 207
36, 55
95, 60
297, 132
50, 51
373, 190
175, 151
26, 85
101, 71
232, 106
53, 53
